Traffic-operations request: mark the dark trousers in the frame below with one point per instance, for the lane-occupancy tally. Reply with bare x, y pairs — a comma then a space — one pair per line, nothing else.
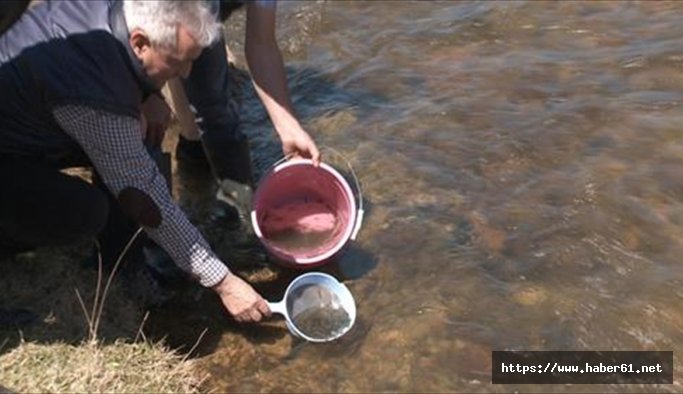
211, 92
41, 206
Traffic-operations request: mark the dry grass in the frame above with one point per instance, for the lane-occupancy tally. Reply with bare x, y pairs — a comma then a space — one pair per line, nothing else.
44, 282
65, 351
91, 367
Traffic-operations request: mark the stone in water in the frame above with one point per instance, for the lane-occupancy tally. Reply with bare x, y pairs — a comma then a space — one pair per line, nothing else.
322, 322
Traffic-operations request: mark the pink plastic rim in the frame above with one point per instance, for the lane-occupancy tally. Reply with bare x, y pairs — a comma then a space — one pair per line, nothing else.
296, 179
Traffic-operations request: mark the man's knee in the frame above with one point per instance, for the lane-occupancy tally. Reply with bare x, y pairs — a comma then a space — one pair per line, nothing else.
93, 218
83, 223
48, 208
87, 215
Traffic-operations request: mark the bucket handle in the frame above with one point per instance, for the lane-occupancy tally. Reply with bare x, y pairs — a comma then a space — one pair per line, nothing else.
361, 211
282, 160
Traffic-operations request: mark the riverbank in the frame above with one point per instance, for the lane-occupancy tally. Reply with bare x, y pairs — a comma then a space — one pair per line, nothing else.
56, 352
93, 367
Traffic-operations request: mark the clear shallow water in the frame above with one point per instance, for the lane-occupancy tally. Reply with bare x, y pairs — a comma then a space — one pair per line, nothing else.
521, 163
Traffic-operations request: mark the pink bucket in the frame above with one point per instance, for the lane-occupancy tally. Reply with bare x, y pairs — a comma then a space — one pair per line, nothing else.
304, 215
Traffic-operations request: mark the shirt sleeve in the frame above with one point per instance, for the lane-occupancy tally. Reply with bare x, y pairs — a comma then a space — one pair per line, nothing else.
114, 145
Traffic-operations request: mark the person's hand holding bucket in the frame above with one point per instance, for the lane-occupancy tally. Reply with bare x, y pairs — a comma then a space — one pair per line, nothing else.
317, 307
298, 144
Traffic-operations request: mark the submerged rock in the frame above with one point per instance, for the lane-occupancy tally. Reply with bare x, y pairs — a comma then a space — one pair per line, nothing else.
322, 323
529, 296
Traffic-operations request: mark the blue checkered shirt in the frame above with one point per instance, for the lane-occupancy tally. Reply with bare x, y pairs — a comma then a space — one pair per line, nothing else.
114, 145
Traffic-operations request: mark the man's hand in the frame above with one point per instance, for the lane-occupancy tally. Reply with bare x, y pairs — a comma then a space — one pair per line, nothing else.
298, 144
156, 116
241, 300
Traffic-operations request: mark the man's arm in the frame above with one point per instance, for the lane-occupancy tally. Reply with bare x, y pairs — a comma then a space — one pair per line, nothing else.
114, 145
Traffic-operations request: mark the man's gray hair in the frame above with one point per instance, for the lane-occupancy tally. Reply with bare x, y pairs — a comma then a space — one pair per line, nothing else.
159, 19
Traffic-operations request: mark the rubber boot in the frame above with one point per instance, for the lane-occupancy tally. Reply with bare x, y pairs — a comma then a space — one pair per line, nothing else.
230, 161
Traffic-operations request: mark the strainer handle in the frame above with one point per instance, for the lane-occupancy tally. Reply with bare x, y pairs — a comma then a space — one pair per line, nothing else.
278, 307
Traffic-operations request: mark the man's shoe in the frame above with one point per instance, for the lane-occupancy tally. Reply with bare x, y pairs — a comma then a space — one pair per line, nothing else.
238, 196
154, 279
146, 287
161, 263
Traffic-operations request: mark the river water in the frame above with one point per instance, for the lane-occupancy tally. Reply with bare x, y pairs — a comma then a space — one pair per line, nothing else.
521, 165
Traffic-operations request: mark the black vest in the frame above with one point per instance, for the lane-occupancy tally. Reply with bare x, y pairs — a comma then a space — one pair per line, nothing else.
64, 52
